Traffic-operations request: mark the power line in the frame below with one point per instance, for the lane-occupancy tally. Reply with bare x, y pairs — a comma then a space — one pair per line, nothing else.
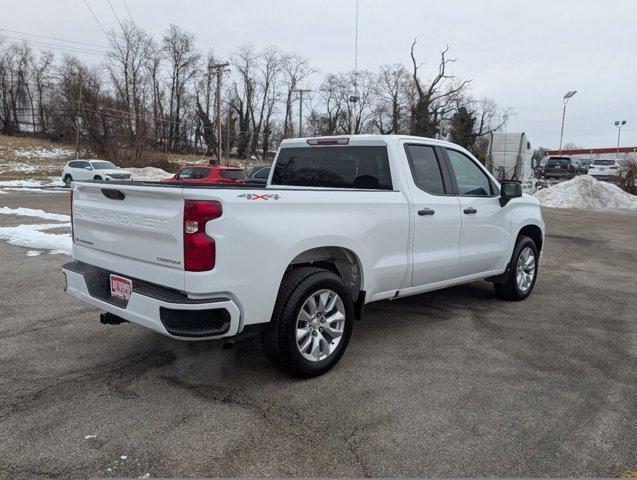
115, 13
63, 48
98, 21
128, 11
54, 38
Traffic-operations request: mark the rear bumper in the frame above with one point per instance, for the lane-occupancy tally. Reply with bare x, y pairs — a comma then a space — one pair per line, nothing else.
163, 310
604, 176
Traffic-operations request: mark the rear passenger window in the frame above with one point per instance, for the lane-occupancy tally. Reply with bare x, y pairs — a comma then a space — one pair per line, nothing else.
336, 167
425, 168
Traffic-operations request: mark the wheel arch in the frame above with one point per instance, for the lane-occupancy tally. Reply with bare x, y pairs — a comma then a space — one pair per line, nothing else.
341, 260
534, 232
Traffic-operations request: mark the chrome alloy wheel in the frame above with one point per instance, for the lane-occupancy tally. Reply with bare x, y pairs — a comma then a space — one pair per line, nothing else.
525, 269
320, 325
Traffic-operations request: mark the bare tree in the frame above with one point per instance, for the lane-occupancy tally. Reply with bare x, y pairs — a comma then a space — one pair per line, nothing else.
126, 66
267, 92
393, 88
433, 100
181, 56
244, 61
295, 69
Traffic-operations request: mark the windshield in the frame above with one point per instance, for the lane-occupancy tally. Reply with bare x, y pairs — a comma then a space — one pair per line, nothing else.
604, 162
103, 165
235, 174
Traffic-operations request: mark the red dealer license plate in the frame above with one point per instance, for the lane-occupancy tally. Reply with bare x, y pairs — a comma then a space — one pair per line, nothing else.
121, 287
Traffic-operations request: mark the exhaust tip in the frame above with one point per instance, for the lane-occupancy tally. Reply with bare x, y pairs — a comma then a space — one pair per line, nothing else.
227, 345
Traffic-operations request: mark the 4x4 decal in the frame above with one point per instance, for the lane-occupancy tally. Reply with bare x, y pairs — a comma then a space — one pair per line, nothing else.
260, 196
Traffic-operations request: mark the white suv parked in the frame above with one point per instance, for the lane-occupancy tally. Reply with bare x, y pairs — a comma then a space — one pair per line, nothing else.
92, 170
605, 169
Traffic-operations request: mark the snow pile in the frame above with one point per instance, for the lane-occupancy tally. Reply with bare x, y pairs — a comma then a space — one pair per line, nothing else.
30, 212
148, 174
586, 193
43, 153
33, 237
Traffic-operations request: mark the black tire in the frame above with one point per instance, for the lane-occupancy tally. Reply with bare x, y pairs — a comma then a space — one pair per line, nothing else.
279, 338
510, 290
68, 179
97, 177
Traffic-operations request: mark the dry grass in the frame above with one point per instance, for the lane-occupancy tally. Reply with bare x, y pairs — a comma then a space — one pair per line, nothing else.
26, 157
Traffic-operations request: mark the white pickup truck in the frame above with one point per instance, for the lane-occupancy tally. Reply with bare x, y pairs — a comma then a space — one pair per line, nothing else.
342, 221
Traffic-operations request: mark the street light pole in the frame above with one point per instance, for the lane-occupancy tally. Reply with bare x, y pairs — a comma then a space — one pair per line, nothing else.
619, 124
566, 97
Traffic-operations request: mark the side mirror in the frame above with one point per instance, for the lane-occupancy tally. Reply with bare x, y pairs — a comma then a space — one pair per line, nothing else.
88, 167
509, 189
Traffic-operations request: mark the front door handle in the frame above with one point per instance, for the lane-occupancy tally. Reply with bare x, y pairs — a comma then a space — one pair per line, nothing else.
426, 211
470, 210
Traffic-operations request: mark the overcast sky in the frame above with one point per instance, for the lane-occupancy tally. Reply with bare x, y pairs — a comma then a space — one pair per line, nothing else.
523, 54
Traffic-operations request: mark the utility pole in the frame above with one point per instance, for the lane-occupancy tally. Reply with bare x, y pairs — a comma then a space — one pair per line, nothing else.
77, 119
300, 92
228, 136
619, 124
219, 67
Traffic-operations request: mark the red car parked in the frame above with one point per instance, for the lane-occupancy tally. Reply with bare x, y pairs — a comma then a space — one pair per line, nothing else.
208, 174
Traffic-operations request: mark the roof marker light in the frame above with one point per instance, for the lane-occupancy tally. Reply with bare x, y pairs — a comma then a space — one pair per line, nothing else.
328, 141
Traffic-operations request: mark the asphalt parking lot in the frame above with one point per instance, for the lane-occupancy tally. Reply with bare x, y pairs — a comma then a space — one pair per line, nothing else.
450, 383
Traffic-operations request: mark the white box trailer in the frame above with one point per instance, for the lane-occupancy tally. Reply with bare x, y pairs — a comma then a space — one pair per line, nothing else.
509, 157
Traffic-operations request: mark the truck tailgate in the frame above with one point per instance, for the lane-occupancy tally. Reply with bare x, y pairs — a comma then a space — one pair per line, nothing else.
131, 229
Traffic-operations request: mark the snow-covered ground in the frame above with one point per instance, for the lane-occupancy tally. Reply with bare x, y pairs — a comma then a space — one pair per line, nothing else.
43, 152
36, 236
586, 193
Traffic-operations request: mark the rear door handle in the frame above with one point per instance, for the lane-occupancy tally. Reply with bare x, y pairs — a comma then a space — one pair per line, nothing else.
470, 210
426, 211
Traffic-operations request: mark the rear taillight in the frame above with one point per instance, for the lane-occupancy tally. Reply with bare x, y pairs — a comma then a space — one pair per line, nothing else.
199, 248
72, 228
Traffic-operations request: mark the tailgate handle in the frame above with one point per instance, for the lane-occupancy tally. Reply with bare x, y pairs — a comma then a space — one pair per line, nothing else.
113, 194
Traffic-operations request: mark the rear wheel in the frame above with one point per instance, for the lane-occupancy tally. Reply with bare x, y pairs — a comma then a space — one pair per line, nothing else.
68, 179
311, 324
522, 271
97, 177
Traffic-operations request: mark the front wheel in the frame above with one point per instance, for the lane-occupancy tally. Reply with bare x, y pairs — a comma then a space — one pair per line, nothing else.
522, 271
311, 324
